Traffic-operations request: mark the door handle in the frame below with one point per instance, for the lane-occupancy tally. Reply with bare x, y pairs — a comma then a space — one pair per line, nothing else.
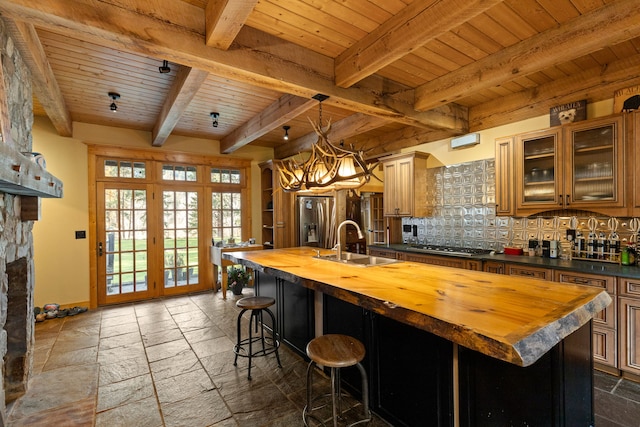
560, 202
100, 249
567, 204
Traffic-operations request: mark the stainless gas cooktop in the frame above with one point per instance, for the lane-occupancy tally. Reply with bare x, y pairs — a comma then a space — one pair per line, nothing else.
448, 250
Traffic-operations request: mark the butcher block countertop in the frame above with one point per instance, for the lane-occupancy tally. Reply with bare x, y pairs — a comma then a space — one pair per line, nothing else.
509, 318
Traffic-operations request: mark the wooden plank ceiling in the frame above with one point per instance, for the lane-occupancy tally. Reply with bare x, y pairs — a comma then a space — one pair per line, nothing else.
397, 72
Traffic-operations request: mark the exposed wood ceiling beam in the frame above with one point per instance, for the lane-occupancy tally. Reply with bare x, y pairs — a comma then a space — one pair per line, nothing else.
255, 57
594, 84
406, 31
44, 83
345, 128
608, 25
224, 20
278, 113
393, 142
185, 86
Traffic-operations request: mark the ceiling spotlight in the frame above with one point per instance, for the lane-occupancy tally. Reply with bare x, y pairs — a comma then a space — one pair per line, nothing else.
114, 96
164, 69
214, 118
286, 132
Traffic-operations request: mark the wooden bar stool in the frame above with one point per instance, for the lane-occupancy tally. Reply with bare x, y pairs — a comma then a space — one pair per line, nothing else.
335, 352
265, 345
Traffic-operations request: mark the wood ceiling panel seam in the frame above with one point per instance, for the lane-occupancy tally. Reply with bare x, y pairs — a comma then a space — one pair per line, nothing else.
360, 8
625, 49
533, 13
311, 41
309, 16
478, 39
84, 47
453, 40
440, 48
493, 30
561, 10
361, 21
511, 21
122, 79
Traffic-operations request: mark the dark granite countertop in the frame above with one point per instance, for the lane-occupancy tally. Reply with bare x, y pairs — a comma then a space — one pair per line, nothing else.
580, 266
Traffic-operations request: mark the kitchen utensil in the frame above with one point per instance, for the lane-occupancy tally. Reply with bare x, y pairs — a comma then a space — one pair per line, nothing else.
592, 223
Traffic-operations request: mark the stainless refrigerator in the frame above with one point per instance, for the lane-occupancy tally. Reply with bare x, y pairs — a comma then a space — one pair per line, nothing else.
315, 221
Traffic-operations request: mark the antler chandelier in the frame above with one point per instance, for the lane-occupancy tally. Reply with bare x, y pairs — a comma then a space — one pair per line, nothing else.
329, 167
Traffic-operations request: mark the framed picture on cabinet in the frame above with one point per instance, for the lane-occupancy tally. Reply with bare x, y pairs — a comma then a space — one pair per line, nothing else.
568, 113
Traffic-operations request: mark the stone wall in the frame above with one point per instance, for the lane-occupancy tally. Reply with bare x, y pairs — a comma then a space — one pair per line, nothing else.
16, 240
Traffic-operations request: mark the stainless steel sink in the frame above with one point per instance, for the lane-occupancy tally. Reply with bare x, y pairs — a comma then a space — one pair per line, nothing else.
357, 260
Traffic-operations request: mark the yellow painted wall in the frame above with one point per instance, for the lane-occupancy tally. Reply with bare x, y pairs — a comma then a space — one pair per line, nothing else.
61, 261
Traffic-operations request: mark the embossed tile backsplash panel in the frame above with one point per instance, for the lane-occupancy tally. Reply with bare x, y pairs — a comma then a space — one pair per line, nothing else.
462, 200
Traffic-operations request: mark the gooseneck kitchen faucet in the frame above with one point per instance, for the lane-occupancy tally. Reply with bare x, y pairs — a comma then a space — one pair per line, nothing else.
339, 245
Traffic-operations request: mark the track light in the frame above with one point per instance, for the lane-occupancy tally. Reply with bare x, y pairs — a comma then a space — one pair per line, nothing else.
164, 69
286, 132
114, 96
214, 118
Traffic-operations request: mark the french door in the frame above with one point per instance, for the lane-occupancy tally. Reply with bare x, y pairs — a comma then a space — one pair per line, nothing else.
148, 241
125, 242
182, 251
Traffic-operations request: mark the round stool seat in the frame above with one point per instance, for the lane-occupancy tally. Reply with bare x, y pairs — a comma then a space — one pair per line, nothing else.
335, 351
255, 303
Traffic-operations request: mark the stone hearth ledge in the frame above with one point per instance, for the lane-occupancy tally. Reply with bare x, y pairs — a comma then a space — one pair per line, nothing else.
509, 318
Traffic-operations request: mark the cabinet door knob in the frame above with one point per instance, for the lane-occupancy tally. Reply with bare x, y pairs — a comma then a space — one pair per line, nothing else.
567, 200
560, 202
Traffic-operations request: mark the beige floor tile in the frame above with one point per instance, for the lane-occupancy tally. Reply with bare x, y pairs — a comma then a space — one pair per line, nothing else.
142, 413
124, 392
168, 349
57, 388
204, 409
122, 370
183, 362
183, 386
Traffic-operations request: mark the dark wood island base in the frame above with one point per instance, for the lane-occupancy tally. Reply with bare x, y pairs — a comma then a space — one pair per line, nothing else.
421, 375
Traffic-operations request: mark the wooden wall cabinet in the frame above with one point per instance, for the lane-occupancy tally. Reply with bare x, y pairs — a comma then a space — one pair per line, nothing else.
278, 221
633, 147
605, 340
576, 166
629, 322
505, 177
405, 184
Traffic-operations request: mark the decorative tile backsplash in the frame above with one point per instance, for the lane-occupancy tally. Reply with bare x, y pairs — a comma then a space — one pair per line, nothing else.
462, 200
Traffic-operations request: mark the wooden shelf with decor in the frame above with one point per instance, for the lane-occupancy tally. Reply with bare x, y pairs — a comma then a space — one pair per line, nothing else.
276, 208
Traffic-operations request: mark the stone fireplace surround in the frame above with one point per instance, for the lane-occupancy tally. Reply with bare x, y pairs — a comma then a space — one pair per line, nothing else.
16, 240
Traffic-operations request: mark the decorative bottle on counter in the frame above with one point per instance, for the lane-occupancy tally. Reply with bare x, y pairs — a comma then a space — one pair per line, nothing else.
628, 255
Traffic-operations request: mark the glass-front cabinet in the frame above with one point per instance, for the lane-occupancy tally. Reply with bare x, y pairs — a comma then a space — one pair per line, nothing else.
577, 166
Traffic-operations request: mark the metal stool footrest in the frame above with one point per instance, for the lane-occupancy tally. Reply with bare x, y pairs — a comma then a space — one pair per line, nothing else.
333, 399
258, 345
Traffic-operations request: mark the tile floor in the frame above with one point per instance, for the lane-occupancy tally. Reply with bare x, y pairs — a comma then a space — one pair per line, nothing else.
168, 362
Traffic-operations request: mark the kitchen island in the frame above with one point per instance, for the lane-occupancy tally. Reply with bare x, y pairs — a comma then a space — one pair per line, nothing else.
506, 341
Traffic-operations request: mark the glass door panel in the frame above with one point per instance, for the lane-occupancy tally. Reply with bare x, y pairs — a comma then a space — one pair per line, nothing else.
123, 236
181, 237
539, 166
593, 163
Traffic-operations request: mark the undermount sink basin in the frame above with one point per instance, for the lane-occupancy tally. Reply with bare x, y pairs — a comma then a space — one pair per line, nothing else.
357, 260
